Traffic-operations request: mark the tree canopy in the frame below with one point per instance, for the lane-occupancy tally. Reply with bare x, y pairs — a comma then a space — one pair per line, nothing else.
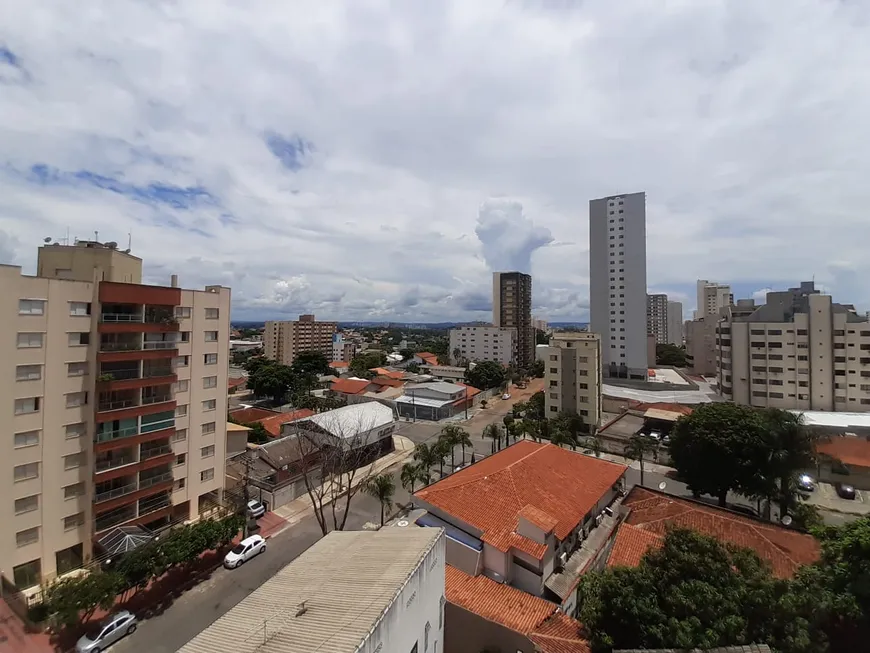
668, 354
362, 363
310, 363
271, 379
486, 375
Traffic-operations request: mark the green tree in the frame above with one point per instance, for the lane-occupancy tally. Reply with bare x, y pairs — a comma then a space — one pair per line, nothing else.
716, 449
508, 421
413, 473
453, 436
362, 363
790, 449
310, 363
413, 368
672, 355
426, 455
532, 428
441, 449
637, 448
255, 363
406, 354
271, 380
536, 406
493, 432
541, 337
486, 375
383, 488
75, 599
562, 437
537, 369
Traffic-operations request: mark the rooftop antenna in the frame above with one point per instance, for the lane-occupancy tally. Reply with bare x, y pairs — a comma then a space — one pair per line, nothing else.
66, 240
96, 236
129, 240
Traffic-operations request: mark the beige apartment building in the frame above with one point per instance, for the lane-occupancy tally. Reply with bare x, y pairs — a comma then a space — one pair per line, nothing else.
711, 298
512, 308
701, 346
116, 398
657, 317
572, 376
798, 351
284, 340
470, 344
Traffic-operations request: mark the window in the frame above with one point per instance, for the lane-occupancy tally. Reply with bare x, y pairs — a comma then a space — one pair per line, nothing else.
441, 613
74, 490
28, 372
206, 474
28, 574
182, 386
75, 430
426, 637
79, 308
212, 313
31, 306
209, 404
185, 336
76, 369
208, 427
181, 411
182, 312
29, 536
180, 459
29, 405
209, 382
75, 399
30, 340
26, 439
179, 484
27, 471
180, 435
78, 339
182, 361
207, 452
209, 359
211, 336
73, 521
74, 460
26, 504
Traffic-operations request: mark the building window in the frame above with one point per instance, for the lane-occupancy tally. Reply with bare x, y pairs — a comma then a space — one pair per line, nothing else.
79, 339
209, 404
74, 490
26, 472
181, 411
79, 309
208, 427
206, 475
182, 361
182, 312
179, 484
30, 340
29, 405
76, 369
26, 504
210, 359
212, 313
28, 372
180, 435
75, 399
29, 536
426, 637
75, 430
73, 521
28, 574
209, 382
207, 452
211, 336
73, 461
31, 306
26, 439
180, 459
182, 386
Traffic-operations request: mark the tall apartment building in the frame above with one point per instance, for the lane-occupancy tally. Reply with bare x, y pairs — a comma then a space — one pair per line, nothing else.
711, 298
572, 376
657, 317
512, 308
284, 340
342, 350
483, 343
617, 282
675, 323
116, 403
799, 351
701, 346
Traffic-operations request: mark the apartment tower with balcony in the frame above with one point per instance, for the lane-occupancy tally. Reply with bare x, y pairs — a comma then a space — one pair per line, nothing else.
799, 351
572, 376
284, 340
512, 308
657, 317
117, 404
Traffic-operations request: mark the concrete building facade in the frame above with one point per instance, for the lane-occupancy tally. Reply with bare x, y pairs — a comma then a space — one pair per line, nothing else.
617, 282
701, 346
284, 340
483, 343
675, 323
572, 376
712, 297
108, 384
799, 351
657, 317
512, 308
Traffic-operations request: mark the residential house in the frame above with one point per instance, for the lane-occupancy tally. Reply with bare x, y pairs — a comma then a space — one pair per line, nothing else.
250, 414
237, 439
389, 373
237, 384
435, 401
519, 515
349, 390
270, 419
449, 373
339, 366
845, 459
425, 358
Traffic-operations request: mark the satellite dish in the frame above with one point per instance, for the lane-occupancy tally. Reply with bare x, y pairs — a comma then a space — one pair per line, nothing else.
786, 520
662, 485
402, 522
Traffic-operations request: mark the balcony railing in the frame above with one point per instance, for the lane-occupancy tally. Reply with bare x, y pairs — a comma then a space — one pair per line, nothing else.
161, 344
112, 463
116, 492
153, 452
107, 436
153, 372
156, 399
120, 346
114, 517
117, 404
153, 504
119, 375
121, 317
155, 480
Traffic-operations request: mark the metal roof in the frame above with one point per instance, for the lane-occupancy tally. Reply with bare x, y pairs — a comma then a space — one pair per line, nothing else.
438, 386
350, 421
346, 581
834, 420
423, 401
123, 539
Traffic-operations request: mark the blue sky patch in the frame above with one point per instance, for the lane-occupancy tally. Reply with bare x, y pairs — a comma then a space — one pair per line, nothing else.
8, 57
292, 152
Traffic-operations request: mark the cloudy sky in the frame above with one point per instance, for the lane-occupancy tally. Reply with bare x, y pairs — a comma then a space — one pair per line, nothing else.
375, 160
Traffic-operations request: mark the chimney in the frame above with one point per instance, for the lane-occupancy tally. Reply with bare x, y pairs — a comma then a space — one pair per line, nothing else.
173, 281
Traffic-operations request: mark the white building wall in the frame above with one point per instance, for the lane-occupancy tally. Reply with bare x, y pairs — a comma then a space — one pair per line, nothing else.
418, 608
483, 343
675, 323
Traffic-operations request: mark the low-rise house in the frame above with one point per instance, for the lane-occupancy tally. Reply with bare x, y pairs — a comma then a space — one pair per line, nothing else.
425, 358
352, 591
448, 373
237, 438
390, 374
237, 384
339, 366
435, 401
521, 515
270, 419
844, 459
250, 414
349, 390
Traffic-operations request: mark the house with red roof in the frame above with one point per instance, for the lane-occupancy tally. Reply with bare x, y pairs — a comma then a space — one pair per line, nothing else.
425, 358
845, 459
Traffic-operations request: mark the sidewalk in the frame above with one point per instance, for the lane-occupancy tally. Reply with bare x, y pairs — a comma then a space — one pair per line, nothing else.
300, 508
826, 498
648, 465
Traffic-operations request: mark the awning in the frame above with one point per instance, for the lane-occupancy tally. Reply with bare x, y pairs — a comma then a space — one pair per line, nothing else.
124, 539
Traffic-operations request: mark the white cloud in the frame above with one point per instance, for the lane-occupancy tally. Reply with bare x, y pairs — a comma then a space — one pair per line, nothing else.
334, 157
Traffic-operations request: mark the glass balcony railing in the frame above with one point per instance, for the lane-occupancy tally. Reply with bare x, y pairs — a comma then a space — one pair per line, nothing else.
153, 504
121, 317
161, 344
156, 399
155, 480
114, 493
116, 404
120, 346
152, 372
119, 374
114, 517
106, 436
153, 452
116, 461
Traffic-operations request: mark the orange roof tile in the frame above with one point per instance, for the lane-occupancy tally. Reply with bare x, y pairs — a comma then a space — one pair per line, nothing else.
669, 407
273, 424
335, 364
490, 494
538, 517
559, 633
391, 374
250, 415
425, 354
470, 391
655, 512
349, 386
236, 382
629, 545
848, 449
386, 381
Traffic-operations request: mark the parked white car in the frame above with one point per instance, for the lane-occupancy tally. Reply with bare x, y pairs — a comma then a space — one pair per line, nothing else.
256, 509
102, 635
244, 551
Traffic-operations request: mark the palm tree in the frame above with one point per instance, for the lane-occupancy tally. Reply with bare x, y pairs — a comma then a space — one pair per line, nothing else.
792, 447
442, 449
450, 437
413, 473
562, 437
494, 432
462, 439
637, 447
593, 444
426, 455
532, 428
383, 488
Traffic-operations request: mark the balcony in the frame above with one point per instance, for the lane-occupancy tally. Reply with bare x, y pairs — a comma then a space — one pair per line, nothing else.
112, 372
110, 344
113, 489
155, 479
114, 459
114, 517
161, 344
109, 435
153, 504
156, 398
119, 400
147, 453
156, 369
121, 317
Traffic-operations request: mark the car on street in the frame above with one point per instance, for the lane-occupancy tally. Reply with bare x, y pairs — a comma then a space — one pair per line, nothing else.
506, 396
101, 636
244, 551
255, 509
806, 483
845, 491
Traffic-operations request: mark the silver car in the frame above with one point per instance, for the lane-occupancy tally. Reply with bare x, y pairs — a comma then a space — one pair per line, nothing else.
102, 635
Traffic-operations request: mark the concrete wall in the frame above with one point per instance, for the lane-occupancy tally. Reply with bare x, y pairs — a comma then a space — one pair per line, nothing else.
464, 557
495, 561
469, 633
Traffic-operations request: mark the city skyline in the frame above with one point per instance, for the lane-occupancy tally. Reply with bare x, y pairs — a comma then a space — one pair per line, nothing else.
306, 196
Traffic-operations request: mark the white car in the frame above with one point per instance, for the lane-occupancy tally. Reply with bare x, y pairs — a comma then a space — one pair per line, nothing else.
256, 509
244, 551
107, 632
506, 396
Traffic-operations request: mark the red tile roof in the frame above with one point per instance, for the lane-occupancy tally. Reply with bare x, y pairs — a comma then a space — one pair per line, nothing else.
490, 494
335, 364
630, 544
273, 424
655, 512
671, 408
386, 381
529, 615
391, 374
470, 391
848, 449
538, 517
236, 382
349, 386
250, 415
